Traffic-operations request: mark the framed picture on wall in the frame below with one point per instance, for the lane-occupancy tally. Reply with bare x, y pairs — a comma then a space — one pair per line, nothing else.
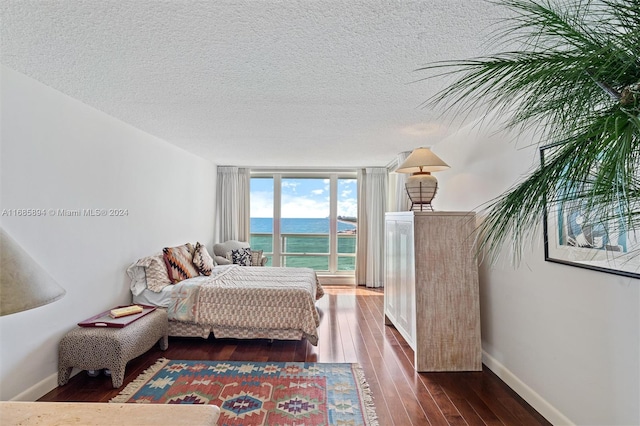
574, 238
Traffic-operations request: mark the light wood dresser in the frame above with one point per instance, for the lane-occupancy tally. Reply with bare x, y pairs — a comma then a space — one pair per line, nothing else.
431, 290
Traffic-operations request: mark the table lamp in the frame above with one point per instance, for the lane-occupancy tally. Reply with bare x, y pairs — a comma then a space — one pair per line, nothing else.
23, 283
421, 186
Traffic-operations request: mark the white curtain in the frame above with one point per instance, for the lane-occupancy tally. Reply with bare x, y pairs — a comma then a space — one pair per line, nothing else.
372, 194
402, 202
232, 204
361, 236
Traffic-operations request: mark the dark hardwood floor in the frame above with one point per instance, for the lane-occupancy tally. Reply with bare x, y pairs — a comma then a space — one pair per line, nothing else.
351, 330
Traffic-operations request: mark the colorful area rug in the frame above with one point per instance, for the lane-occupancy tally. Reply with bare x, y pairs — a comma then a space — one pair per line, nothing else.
258, 393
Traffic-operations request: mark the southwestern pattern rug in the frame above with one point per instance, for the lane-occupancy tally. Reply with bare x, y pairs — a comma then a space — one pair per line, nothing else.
260, 393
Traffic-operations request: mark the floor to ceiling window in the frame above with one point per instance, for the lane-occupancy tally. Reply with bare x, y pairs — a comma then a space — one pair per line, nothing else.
305, 219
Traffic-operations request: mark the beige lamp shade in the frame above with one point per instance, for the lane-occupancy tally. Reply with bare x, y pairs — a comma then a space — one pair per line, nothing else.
422, 160
23, 283
421, 187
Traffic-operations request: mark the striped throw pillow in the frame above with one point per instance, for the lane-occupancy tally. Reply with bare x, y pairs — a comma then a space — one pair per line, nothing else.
179, 262
203, 260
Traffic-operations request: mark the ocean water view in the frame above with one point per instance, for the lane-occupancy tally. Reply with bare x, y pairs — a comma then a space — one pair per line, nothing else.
260, 225
313, 249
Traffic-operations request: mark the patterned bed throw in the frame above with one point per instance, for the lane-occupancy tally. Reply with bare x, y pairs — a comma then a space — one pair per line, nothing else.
251, 297
184, 298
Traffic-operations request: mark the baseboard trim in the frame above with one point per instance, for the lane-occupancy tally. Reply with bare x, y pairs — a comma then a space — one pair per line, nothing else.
543, 406
337, 280
38, 390
41, 388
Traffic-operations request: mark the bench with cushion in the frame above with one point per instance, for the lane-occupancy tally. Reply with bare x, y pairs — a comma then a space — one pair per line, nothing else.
95, 348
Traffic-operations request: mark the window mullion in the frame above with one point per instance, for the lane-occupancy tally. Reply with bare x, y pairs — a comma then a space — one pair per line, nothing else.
333, 224
277, 239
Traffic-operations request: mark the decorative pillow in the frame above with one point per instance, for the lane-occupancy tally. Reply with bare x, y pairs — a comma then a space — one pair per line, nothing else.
179, 262
240, 257
156, 273
202, 260
256, 257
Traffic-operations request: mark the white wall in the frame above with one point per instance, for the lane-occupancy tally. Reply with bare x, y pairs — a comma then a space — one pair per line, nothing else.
58, 153
566, 338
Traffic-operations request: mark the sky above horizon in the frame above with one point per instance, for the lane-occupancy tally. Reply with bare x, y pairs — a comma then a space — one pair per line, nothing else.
303, 197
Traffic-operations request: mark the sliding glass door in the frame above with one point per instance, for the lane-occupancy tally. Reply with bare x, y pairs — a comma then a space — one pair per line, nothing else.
304, 220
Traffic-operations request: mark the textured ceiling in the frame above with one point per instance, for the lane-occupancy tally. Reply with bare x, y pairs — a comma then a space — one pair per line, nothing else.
253, 83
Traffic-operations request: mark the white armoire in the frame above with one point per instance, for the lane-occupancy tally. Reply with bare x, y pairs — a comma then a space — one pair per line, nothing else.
431, 292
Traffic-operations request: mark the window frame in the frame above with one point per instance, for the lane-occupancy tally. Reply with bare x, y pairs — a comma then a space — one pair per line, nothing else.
333, 175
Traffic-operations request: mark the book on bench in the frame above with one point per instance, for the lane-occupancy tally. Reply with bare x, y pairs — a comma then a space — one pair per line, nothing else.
104, 319
124, 311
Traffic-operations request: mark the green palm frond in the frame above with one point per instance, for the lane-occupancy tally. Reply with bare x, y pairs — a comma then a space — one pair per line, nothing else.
575, 78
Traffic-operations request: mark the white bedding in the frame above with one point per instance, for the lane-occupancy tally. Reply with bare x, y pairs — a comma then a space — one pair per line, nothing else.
148, 297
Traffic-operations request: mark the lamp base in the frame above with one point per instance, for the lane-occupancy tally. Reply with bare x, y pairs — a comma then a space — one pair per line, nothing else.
421, 189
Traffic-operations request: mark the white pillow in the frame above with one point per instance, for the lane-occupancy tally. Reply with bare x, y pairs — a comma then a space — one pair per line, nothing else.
138, 277
148, 273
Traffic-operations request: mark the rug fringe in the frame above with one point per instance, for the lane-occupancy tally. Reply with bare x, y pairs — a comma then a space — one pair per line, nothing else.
139, 381
370, 416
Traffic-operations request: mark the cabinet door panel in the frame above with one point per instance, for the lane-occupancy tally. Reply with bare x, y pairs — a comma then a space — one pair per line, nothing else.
390, 298
405, 281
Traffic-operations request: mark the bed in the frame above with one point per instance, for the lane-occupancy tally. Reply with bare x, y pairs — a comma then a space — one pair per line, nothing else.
242, 302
